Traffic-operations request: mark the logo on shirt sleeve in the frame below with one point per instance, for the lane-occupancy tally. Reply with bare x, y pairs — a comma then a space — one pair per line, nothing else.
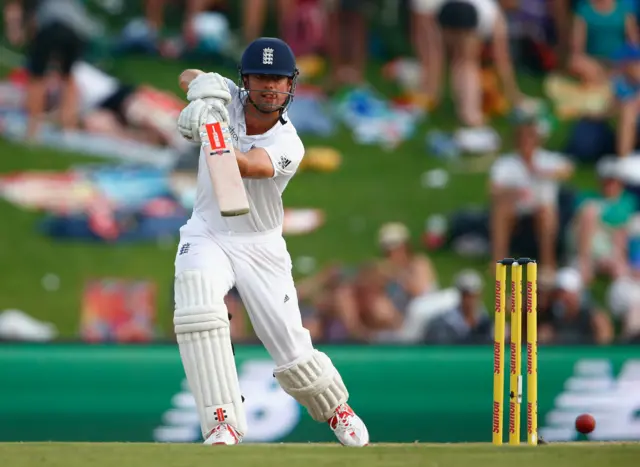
284, 162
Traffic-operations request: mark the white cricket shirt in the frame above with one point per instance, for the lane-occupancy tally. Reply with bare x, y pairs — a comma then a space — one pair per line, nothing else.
285, 149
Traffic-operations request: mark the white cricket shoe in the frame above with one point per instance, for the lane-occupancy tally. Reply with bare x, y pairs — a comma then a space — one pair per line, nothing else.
348, 427
223, 434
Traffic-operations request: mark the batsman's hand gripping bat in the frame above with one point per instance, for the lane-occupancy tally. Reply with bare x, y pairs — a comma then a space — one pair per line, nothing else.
221, 161
223, 169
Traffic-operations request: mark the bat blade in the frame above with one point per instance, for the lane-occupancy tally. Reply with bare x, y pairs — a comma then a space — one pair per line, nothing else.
223, 169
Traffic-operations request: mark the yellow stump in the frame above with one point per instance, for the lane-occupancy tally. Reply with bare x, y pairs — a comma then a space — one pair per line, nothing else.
532, 353
515, 376
498, 353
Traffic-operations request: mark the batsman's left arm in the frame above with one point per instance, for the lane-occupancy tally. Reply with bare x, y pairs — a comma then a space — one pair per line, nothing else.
280, 158
255, 163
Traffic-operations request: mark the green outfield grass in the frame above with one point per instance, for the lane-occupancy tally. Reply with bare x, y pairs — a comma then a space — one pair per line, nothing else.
371, 187
314, 455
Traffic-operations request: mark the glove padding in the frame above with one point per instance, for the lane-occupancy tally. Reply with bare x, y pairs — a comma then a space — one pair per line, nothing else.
199, 112
209, 86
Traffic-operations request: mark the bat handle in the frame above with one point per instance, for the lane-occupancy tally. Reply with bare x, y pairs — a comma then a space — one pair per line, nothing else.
203, 130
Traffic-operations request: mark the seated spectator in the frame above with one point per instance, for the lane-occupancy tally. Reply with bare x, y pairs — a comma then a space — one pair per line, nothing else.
136, 112
600, 29
56, 33
409, 274
592, 138
466, 25
523, 184
469, 322
573, 316
377, 311
623, 298
319, 295
599, 235
354, 308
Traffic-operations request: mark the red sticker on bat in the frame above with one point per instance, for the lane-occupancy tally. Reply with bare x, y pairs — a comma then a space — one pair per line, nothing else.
216, 137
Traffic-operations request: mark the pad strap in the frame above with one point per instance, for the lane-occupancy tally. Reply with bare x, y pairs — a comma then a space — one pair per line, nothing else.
315, 383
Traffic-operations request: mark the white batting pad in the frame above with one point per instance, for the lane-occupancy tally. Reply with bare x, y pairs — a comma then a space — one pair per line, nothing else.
315, 383
201, 324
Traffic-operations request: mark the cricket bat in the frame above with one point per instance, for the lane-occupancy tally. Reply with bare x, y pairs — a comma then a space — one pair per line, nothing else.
223, 169
221, 161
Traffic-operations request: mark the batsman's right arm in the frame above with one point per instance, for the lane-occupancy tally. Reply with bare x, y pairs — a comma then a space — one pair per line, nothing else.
187, 76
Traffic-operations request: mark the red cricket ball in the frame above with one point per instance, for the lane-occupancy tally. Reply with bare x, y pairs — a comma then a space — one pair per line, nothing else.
585, 423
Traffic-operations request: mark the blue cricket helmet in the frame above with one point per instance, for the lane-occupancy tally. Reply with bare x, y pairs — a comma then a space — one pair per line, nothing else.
268, 56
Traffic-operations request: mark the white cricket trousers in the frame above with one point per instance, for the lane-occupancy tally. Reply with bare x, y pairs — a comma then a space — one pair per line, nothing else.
259, 266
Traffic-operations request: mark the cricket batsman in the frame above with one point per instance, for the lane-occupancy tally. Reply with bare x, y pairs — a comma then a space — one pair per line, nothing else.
217, 253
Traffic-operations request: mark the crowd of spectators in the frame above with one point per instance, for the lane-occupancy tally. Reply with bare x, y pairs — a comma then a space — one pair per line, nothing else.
398, 296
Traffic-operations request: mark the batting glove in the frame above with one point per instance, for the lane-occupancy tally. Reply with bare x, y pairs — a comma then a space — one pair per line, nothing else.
209, 86
198, 113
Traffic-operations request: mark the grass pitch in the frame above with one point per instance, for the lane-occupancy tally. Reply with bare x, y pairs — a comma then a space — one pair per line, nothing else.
318, 455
